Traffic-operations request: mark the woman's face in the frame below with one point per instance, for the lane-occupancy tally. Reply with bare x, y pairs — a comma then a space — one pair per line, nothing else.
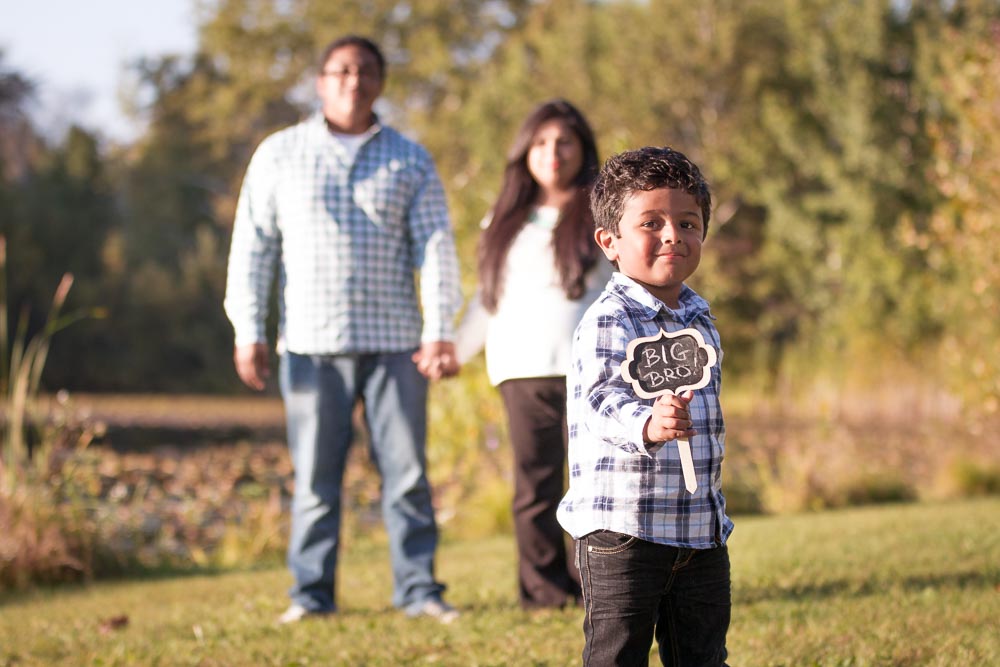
555, 156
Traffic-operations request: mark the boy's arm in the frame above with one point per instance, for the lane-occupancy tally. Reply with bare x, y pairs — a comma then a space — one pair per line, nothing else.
608, 407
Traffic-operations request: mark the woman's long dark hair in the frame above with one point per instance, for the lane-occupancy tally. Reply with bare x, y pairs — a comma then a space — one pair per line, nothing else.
573, 242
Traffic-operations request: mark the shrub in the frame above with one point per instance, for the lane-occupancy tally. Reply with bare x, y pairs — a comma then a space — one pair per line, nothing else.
876, 488
969, 478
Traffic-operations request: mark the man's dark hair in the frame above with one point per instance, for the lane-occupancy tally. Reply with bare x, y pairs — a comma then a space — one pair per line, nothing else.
358, 41
646, 168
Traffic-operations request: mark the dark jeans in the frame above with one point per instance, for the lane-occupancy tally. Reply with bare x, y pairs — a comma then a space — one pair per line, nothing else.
536, 414
633, 590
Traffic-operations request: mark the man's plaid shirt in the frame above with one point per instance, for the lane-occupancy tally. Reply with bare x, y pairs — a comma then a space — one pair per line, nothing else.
347, 238
615, 482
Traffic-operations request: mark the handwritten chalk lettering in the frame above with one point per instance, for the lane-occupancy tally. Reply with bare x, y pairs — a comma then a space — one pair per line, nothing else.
668, 363
656, 354
657, 377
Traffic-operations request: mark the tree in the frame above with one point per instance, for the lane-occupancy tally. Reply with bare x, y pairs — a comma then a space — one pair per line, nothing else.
961, 240
18, 142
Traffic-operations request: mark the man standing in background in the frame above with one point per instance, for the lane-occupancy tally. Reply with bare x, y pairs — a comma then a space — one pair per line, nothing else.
348, 210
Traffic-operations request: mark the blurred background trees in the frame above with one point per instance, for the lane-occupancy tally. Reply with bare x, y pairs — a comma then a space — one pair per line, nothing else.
852, 148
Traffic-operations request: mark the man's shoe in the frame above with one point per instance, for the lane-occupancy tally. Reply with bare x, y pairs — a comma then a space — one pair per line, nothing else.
297, 612
439, 610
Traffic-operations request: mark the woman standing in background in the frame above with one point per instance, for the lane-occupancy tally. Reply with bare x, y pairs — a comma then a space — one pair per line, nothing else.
539, 270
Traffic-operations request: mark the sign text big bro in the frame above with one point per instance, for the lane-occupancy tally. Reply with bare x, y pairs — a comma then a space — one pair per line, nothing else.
668, 363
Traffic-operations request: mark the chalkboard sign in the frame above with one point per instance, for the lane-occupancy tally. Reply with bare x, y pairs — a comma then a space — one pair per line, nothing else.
671, 363
668, 363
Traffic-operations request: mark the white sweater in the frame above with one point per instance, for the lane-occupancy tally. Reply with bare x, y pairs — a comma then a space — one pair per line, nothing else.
530, 333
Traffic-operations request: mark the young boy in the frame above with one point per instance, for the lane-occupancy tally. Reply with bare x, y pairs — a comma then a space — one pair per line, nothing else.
652, 556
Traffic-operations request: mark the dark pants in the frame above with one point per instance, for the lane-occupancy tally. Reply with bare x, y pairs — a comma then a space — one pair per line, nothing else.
633, 590
536, 413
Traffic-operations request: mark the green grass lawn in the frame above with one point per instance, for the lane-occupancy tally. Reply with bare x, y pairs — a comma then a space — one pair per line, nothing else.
889, 585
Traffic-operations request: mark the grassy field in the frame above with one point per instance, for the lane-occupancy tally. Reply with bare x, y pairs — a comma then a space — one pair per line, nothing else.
914, 584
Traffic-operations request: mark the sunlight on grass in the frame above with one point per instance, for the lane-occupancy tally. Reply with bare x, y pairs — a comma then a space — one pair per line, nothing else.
899, 585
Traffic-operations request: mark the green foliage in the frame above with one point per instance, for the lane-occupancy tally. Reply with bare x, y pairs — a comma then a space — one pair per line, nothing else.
17, 143
61, 208
803, 115
470, 460
28, 439
851, 149
967, 478
878, 488
960, 242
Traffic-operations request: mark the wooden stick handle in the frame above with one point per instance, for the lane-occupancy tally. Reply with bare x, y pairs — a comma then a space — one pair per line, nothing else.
687, 465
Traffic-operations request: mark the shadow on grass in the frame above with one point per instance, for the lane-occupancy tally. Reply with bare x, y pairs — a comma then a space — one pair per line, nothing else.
132, 574
955, 580
144, 438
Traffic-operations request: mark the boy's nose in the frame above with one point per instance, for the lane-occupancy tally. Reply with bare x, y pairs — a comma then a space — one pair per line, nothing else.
669, 233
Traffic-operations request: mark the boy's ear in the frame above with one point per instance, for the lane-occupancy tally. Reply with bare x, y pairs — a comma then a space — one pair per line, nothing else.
606, 240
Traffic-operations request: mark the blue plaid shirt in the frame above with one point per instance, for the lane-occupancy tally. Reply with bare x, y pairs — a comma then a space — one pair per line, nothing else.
615, 482
347, 237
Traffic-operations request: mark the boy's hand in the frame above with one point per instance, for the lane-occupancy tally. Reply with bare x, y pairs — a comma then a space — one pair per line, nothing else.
670, 419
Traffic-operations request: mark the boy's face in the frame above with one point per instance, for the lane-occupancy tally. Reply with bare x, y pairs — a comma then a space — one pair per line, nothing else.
659, 241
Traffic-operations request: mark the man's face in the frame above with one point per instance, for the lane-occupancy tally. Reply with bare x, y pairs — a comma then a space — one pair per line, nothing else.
659, 241
348, 86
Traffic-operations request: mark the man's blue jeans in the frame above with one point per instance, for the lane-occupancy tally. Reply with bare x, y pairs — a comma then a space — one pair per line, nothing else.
633, 589
320, 392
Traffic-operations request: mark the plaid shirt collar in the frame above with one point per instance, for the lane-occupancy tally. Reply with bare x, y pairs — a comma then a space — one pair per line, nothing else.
647, 307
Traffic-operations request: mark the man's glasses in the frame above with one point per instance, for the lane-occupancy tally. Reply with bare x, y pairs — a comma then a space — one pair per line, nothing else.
366, 73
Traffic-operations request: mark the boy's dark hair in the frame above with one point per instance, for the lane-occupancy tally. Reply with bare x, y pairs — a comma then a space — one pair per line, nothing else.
358, 41
646, 168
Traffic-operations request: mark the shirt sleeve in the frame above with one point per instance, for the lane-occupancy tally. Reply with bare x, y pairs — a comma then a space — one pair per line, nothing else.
434, 253
254, 250
471, 335
612, 411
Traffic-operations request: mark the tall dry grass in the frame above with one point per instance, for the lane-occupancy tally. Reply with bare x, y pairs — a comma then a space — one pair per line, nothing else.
882, 433
41, 537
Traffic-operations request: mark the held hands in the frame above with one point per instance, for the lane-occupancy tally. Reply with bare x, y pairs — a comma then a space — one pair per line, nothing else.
436, 360
670, 419
252, 365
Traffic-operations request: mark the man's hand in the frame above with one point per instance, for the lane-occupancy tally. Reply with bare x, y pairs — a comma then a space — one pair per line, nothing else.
436, 360
670, 419
253, 365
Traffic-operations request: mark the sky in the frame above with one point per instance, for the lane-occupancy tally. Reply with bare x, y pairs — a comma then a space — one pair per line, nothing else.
76, 53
